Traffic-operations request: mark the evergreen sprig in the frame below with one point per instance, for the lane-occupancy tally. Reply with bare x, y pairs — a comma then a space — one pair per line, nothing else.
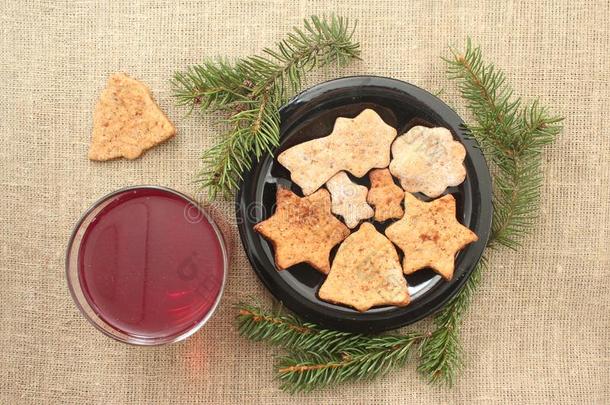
512, 135
252, 89
305, 371
320, 357
441, 353
289, 332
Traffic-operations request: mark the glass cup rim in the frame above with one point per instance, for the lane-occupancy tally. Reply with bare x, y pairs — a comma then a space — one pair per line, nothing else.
112, 331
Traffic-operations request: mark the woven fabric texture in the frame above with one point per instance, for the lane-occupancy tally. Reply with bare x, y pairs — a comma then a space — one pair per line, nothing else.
539, 328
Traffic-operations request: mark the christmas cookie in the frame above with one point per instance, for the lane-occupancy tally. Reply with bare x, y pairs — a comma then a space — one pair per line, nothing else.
302, 230
428, 160
127, 121
348, 200
385, 196
430, 235
366, 272
356, 145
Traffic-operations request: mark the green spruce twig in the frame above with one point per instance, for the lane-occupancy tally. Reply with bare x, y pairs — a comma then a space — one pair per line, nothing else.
289, 332
318, 357
512, 136
252, 89
441, 353
300, 371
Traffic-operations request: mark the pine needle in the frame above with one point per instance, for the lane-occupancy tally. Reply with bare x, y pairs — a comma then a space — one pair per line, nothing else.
252, 89
512, 136
441, 352
318, 357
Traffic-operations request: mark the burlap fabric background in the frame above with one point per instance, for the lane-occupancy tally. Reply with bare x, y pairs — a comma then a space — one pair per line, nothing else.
539, 328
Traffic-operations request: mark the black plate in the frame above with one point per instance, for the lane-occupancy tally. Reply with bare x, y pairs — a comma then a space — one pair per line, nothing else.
312, 114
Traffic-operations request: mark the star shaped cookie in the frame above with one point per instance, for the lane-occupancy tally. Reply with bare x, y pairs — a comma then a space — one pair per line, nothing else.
355, 145
430, 235
385, 196
366, 272
348, 199
302, 230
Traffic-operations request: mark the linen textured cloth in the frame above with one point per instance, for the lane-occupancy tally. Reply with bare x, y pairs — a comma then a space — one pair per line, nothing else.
538, 330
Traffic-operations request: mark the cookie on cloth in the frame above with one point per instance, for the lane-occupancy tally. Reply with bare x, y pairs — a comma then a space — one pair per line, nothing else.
355, 145
127, 121
302, 230
430, 235
428, 160
366, 272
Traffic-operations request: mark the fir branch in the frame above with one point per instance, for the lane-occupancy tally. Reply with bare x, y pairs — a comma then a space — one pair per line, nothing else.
441, 353
318, 357
511, 135
252, 89
289, 332
300, 371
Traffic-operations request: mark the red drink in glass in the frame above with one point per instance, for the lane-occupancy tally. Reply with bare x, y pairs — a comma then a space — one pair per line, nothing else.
147, 265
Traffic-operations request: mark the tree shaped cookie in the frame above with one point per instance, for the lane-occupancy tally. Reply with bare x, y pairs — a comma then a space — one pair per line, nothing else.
302, 230
348, 199
430, 235
356, 145
428, 160
127, 121
384, 195
366, 272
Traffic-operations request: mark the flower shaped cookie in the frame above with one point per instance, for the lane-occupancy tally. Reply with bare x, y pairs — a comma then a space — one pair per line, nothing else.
428, 160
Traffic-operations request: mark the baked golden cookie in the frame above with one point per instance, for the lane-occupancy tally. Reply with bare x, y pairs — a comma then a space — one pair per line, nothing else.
366, 272
356, 145
302, 230
430, 235
385, 196
127, 121
428, 160
348, 200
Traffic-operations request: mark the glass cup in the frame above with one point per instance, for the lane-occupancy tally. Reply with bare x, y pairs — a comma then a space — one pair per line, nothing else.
147, 265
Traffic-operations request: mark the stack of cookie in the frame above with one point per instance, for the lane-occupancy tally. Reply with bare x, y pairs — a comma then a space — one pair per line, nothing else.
366, 270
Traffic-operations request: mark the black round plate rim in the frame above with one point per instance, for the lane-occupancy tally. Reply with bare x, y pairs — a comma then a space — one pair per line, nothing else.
366, 322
